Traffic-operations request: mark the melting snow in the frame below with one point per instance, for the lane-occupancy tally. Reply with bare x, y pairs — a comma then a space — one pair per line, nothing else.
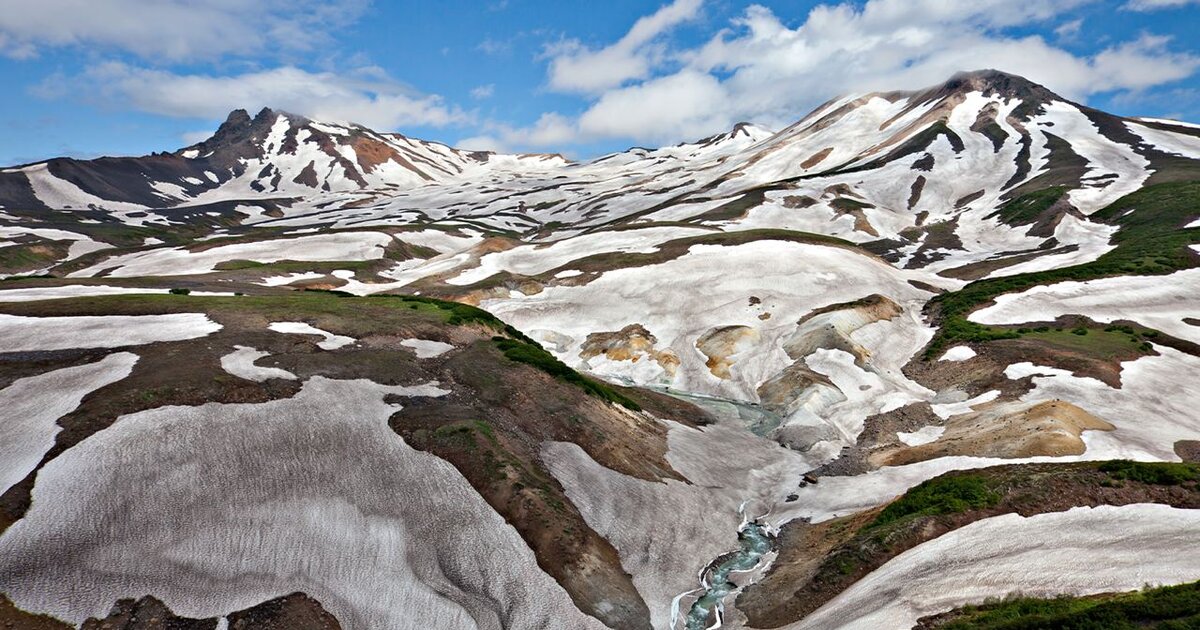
240, 363
924, 435
33, 405
1081, 551
958, 353
18, 334
426, 348
299, 493
331, 342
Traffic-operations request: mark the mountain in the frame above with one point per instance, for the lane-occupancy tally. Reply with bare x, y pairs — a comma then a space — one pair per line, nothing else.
916, 350
272, 154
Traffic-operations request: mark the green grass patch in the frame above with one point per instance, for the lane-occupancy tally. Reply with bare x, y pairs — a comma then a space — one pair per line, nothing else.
458, 314
30, 256
1104, 344
846, 204
941, 495
1150, 240
1027, 208
1154, 473
1165, 608
527, 351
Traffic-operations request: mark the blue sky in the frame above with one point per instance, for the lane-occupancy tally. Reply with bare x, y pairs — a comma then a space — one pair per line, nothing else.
121, 77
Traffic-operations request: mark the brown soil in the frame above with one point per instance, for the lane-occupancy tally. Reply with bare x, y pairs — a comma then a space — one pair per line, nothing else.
13, 618
798, 201
1007, 430
631, 343
915, 195
816, 562
720, 344
816, 158
1188, 450
290, 612
146, 613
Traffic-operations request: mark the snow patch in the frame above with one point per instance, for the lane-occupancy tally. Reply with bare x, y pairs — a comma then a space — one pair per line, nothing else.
331, 342
33, 405
426, 349
19, 334
958, 353
240, 363
924, 435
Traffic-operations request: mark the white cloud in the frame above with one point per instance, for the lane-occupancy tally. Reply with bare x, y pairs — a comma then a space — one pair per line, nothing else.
192, 137
674, 107
172, 29
367, 96
1155, 5
577, 68
761, 70
483, 91
481, 143
1069, 30
550, 130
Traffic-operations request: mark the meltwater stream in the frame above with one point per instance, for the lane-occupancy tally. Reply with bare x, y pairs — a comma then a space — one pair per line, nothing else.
754, 541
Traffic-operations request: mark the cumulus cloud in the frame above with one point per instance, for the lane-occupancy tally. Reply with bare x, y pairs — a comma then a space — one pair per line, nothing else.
172, 29
578, 68
483, 91
762, 70
367, 96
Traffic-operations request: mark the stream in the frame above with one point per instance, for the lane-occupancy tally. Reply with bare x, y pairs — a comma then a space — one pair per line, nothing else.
754, 541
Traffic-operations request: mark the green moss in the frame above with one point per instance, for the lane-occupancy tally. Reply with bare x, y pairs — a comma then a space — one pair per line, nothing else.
941, 495
527, 351
1166, 608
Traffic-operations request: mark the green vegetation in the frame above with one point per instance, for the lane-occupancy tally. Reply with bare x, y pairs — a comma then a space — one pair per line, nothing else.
459, 314
846, 204
179, 291
527, 351
30, 256
948, 494
1153, 473
1103, 344
1150, 240
1027, 208
1166, 608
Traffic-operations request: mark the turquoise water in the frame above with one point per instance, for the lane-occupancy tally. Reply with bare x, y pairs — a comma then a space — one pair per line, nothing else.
753, 543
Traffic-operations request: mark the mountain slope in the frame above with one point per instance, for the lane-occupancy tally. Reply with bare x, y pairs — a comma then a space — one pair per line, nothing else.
717, 358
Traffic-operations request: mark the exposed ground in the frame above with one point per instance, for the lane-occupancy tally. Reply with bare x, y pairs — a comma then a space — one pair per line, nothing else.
816, 562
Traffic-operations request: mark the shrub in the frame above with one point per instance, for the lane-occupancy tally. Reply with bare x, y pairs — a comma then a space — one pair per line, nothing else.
941, 495
179, 291
1155, 473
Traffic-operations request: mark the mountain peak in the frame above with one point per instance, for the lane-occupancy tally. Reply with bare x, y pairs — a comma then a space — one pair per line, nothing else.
990, 82
237, 118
